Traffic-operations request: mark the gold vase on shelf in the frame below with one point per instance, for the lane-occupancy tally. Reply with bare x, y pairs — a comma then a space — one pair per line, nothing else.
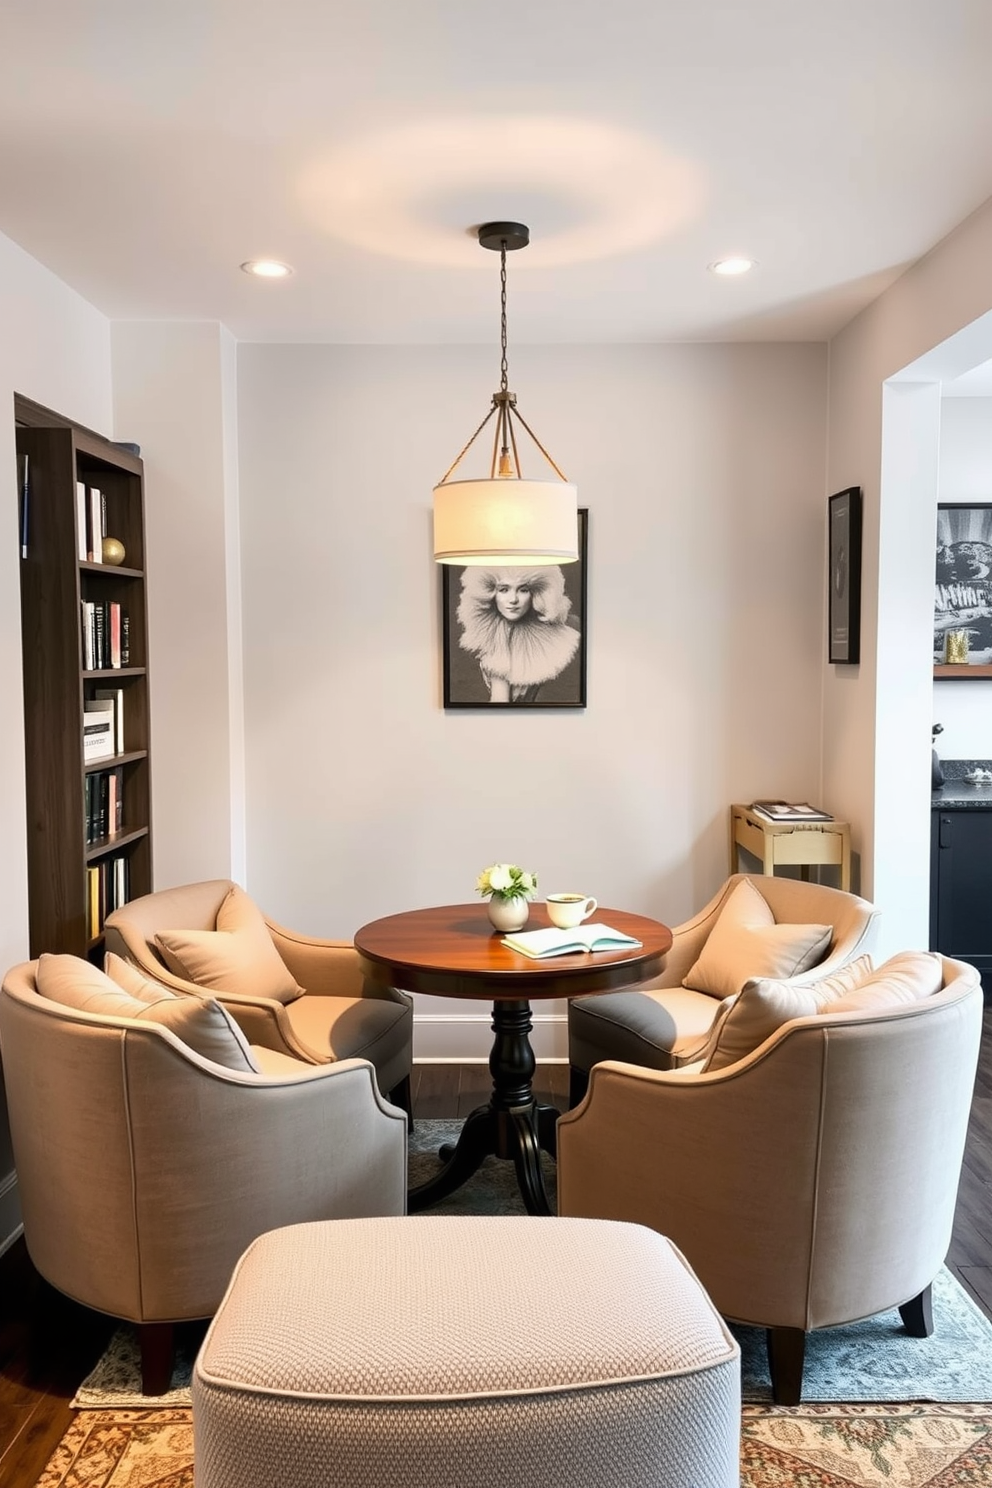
956, 648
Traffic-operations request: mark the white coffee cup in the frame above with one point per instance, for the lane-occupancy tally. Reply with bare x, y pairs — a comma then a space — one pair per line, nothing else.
568, 910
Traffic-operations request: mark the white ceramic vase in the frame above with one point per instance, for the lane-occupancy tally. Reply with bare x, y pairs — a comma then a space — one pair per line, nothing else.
508, 914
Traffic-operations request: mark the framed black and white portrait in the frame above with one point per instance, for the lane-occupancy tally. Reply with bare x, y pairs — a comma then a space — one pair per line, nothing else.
515, 637
963, 588
844, 577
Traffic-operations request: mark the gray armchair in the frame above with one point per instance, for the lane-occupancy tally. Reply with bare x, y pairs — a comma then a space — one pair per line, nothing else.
663, 1024
145, 1168
813, 1182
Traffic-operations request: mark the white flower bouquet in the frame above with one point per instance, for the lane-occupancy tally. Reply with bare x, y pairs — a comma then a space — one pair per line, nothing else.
506, 881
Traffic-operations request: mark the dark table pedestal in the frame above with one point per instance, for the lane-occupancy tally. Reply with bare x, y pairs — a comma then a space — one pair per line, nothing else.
512, 1125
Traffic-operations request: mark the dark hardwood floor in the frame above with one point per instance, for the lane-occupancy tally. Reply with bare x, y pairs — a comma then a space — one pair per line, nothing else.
48, 1344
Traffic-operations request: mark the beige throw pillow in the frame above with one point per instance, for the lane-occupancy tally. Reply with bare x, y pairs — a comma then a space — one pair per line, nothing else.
201, 1023
745, 942
763, 1006
236, 957
902, 979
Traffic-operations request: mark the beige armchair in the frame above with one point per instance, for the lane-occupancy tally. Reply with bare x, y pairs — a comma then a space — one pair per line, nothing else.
324, 1009
663, 1024
810, 1184
145, 1169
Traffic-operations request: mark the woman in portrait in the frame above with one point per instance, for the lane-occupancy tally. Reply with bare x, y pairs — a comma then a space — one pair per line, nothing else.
516, 623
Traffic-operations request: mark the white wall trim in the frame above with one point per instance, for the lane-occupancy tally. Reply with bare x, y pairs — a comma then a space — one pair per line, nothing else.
466, 1038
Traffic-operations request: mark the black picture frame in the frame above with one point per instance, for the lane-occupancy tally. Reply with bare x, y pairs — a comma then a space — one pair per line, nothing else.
963, 580
844, 577
564, 595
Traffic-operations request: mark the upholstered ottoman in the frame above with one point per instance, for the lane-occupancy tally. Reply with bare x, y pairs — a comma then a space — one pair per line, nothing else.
448, 1352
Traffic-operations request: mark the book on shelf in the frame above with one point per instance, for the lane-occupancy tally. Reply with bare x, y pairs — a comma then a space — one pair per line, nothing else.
114, 633
99, 637
25, 509
553, 942
82, 546
87, 625
98, 730
93, 920
115, 697
94, 525
789, 811
103, 804
125, 639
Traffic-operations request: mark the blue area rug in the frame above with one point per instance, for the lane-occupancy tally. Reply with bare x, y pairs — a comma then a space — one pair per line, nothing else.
874, 1360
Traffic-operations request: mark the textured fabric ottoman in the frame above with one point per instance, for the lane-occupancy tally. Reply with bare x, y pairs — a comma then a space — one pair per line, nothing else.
449, 1352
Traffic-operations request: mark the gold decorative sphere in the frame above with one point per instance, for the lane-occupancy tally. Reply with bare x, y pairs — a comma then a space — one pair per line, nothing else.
113, 550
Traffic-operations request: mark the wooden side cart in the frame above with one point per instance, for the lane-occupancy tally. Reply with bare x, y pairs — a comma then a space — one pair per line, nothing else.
800, 844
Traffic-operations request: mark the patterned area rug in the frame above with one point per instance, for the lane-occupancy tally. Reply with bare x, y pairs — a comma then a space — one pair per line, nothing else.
870, 1361
817, 1446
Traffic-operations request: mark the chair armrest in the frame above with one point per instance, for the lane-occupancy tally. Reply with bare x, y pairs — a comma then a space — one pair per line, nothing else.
713, 1162
221, 1156
327, 968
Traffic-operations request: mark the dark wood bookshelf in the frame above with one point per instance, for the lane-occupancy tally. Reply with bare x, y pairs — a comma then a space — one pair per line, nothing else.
55, 583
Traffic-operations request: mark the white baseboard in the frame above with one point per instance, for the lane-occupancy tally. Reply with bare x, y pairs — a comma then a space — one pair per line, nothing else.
466, 1038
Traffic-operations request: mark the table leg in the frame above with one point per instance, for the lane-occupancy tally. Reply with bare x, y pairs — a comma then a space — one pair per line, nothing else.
511, 1126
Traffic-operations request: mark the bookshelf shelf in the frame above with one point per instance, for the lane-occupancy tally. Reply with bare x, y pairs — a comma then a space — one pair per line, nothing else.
92, 766
106, 845
73, 882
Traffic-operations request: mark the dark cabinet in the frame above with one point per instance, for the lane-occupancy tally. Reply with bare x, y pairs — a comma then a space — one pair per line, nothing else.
961, 885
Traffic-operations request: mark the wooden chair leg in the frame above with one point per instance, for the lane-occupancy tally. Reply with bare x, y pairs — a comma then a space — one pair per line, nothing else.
786, 1354
578, 1084
917, 1314
400, 1096
157, 1342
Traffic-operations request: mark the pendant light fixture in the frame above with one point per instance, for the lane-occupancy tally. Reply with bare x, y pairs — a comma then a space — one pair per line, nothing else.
505, 520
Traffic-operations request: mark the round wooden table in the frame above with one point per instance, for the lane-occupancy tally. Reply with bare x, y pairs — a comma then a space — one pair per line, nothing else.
453, 951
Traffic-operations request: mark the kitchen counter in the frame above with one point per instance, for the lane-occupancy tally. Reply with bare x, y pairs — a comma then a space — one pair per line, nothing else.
956, 792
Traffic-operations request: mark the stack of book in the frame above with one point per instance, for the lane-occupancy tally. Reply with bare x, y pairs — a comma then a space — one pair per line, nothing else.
106, 636
99, 730
91, 523
103, 804
790, 811
107, 890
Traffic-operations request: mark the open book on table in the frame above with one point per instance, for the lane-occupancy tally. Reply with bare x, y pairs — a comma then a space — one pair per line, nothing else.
554, 942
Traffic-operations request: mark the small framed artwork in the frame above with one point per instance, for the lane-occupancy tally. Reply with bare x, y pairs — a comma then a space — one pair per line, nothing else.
516, 637
962, 607
844, 577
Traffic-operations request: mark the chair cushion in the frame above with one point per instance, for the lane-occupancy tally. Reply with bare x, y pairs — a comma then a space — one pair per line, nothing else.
746, 942
658, 1028
350, 1027
238, 956
905, 978
762, 1006
200, 1023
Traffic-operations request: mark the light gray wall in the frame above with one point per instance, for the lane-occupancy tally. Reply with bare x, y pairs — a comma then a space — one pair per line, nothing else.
54, 348
174, 392
703, 470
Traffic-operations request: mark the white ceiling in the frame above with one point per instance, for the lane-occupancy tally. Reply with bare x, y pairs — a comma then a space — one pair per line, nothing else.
146, 150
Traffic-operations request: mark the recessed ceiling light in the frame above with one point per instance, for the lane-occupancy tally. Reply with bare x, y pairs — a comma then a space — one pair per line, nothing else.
731, 266
267, 268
